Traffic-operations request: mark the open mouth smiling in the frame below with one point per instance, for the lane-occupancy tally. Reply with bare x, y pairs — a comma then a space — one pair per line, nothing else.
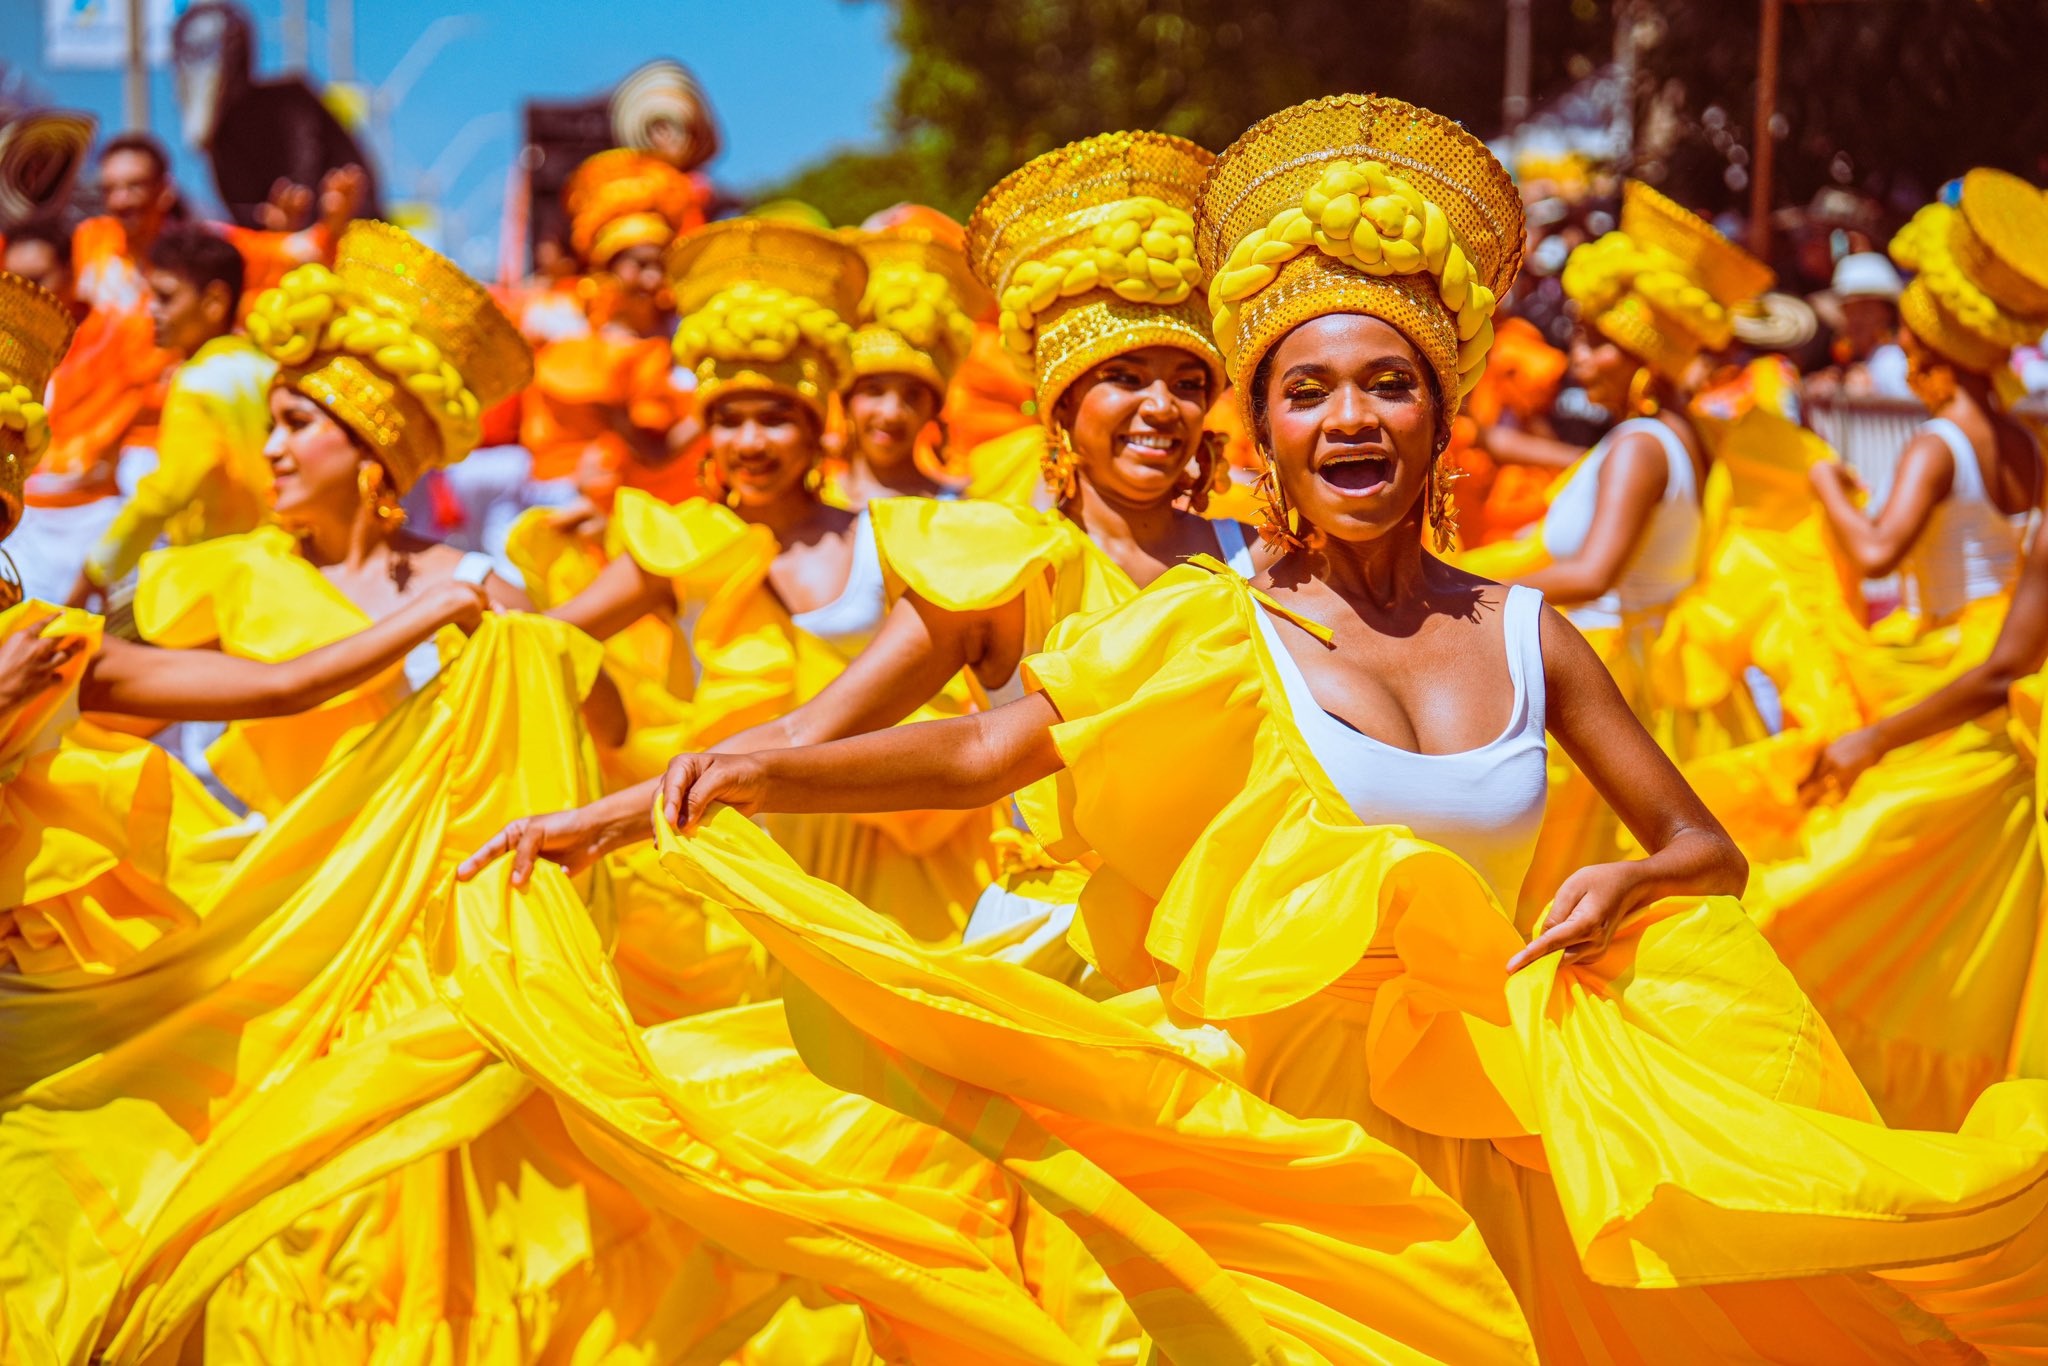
1357, 475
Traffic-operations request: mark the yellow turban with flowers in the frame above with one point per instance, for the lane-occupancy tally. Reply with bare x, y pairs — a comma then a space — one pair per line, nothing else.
917, 313
1090, 252
765, 306
623, 198
1359, 204
35, 331
1982, 286
397, 343
1664, 285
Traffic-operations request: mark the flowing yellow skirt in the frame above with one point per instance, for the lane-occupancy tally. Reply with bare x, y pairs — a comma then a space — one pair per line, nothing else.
1659, 1156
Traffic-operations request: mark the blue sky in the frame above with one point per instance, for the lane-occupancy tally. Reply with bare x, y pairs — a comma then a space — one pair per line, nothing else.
790, 79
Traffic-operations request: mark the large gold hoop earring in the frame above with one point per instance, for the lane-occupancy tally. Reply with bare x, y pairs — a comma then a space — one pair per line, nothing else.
1642, 402
1061, 464
1280, 529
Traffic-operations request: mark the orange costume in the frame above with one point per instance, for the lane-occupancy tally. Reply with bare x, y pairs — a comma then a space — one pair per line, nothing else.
595, 396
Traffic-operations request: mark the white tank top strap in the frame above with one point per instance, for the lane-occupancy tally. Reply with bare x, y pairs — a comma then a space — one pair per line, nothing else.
1969, 550
474, 567
1680, 482
1235, 545
1522, 623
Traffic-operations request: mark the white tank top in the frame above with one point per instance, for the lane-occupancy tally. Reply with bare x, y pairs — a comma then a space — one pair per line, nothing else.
1484, 805
1666, 558
1969, 549
850, 620
423, 660
1236, 547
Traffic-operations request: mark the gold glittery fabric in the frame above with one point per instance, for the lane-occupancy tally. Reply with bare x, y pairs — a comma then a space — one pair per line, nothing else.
815, 267
1982, 286
35, 331
1053, 203
1281, 157
398, 274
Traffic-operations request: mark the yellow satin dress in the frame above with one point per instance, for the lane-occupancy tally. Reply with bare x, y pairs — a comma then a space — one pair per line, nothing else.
107, 844
1323, 1125
270, 1120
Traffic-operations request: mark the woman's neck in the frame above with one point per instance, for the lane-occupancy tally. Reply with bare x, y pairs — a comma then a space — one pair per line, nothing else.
1383, 575
348, 543
1111, 521
1971, 406
787, 516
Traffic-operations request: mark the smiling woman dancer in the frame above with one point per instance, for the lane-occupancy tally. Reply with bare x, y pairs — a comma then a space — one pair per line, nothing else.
1343, 1112
1124, 370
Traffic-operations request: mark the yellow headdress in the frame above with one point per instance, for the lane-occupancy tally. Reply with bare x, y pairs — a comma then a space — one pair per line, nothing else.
917, 314
1360, 204
35, 330
1982, 287
765, 306
1090, 251
623, 198
1664, 285
397, 343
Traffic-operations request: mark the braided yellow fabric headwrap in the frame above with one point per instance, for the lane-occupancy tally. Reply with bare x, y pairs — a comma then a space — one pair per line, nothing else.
917, 314
1982, 287
397, 343
1664, 285
765, 306
35, 331
623, 198
1360, 204
1090, 251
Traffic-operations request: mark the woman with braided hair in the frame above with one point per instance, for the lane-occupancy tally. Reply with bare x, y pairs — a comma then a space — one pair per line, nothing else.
1343, 1111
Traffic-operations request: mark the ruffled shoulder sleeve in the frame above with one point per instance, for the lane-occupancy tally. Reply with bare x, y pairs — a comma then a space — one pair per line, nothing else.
701, 546
965, 555
1229, 869
1005, 469
254, 594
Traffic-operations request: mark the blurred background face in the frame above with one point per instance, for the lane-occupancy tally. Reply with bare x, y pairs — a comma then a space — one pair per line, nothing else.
1351, 421
885, 413
314, 460
638, 271
185, 316
1136, 421
1867, 324
1602, 369
38, 263
762, 446
137, 194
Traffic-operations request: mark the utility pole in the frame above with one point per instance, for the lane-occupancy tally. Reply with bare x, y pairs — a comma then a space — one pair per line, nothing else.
341, 40
291, 34
1514, 104
135, 82
1765, 154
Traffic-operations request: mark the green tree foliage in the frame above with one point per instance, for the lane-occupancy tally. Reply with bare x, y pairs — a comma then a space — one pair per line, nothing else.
989, 84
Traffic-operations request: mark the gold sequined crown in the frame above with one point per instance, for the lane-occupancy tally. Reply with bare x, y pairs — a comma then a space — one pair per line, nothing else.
1089, 251
396, 342
1665, 285
1360, 204
35, 331
767, 304
1982, 286
917, 313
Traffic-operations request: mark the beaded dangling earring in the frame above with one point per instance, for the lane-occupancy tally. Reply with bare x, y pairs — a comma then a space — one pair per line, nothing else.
1440, 507
708, 480
1278, 529
384, 504
11, 591
1061, 464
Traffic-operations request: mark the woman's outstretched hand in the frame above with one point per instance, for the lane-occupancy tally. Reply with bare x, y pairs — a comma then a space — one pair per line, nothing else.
694, 781
572, 839
1583, 914
31, 662
1841, 764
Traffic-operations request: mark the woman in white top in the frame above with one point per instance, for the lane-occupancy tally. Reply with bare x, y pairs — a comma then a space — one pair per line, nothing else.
1316, 1041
